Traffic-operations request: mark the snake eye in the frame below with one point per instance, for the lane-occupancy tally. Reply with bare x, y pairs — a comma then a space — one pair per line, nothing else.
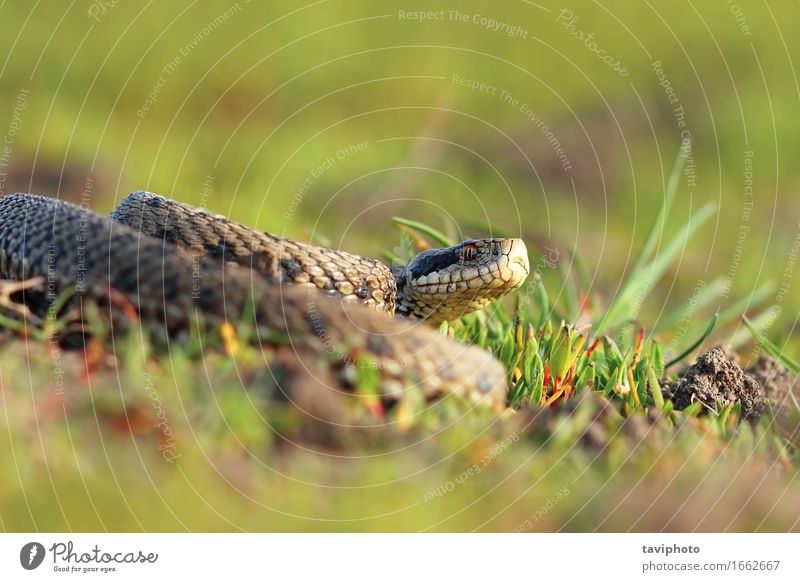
470, 252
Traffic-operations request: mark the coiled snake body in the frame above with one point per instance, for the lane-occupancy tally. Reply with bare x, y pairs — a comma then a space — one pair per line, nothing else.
180, 267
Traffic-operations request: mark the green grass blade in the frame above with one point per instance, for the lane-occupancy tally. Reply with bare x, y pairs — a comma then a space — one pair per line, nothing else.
426, 230
696, 344
771, 348
543, 300
624, 306
570, 291
698, 302
582, 273
657, 229
735, 311
487, 230
758, 322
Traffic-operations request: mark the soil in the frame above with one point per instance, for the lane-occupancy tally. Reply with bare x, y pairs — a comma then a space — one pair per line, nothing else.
778, 385
716, 380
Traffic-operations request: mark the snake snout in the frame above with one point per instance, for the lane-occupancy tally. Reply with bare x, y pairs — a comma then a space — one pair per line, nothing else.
518, 262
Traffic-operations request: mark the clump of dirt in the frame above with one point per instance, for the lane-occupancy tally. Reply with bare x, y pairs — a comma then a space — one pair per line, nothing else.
717, 380
778, 386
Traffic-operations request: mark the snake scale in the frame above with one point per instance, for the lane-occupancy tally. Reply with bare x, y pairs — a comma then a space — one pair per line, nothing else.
182, 268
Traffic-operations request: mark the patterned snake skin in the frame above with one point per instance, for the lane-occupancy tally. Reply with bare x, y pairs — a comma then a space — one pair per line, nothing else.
437, 285
174, 290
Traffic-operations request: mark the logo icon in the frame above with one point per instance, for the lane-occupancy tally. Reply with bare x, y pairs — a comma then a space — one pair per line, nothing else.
31, 555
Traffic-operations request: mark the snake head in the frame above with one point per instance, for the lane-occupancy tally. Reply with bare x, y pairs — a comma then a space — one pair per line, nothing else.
444, 284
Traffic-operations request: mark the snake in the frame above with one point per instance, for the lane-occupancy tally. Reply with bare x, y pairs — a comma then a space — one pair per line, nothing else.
176, 269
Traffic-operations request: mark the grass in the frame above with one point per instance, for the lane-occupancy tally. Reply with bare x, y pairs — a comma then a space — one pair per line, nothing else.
80, 433
249, 104
190, 440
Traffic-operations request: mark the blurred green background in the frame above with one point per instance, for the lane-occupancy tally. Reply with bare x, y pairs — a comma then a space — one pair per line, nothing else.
251, 98
323, 120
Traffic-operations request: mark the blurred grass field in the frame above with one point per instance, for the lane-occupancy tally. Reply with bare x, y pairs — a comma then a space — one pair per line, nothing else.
246, 109
323, 121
